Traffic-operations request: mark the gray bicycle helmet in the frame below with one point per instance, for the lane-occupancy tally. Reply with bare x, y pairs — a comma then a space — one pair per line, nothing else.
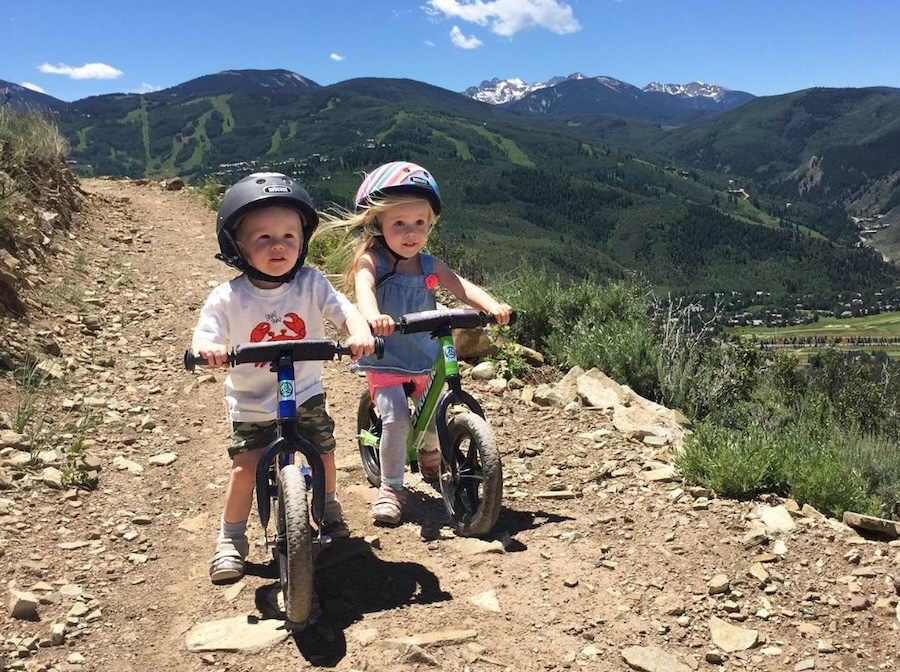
252, 192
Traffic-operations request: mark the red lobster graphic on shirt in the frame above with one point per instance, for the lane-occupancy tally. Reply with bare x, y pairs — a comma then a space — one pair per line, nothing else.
291, 322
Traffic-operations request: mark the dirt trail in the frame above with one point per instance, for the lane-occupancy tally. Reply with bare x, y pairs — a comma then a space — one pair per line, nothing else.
599, 567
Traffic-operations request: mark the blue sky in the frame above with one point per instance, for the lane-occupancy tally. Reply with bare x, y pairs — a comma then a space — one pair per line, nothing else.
71, 49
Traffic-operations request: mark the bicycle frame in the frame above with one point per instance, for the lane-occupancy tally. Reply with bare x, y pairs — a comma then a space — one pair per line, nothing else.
434, 400
280, 452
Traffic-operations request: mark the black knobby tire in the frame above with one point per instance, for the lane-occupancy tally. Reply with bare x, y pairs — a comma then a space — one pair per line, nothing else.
472, 486
294, 546
367, 419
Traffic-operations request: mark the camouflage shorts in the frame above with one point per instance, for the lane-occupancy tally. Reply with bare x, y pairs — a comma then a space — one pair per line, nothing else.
313, 424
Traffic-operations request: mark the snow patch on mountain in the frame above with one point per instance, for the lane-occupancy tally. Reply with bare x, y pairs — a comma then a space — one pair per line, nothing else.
690, 90
498, 91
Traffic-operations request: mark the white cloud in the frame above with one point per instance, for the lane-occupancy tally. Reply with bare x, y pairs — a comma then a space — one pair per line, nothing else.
32, 87
508, 17
336, 57
86, 71
463, 42
429, 43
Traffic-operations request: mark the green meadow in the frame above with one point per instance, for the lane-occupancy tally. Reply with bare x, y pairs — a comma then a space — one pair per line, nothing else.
868, 333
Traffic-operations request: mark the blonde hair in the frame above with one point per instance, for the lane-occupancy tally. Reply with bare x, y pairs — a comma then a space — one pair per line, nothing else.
363, 225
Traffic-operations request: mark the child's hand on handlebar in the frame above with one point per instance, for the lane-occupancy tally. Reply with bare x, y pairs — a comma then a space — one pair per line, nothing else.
360, 338
361, 345
215, 354
501, 312
382, 325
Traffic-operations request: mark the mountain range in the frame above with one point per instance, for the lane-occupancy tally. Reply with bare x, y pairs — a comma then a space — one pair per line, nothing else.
656, 103
602, 179
578, 94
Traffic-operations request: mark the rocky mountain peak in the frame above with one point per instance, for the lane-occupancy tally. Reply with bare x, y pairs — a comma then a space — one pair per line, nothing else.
689, 90
499, 91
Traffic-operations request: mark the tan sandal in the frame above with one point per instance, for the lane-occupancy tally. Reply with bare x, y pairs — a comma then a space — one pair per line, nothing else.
388, 506
429, 464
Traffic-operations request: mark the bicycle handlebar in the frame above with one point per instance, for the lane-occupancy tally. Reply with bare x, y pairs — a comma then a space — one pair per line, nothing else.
272, 351
455, 318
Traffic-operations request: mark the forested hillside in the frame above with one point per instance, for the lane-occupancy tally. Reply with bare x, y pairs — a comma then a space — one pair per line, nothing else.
521, 191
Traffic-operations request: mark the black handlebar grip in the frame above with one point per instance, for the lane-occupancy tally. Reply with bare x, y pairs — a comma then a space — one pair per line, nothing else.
191, 360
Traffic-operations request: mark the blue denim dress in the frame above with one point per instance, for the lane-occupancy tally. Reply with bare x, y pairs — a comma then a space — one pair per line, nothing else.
412, 354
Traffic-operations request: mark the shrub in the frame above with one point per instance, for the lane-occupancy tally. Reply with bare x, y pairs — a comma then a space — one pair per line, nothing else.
210, 193
588, 324
819, 475
330, 251
876, 460
737, 464
509, 360
799, 463
697, 373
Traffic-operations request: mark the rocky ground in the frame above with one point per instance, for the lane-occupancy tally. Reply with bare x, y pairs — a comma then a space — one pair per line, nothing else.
601, 560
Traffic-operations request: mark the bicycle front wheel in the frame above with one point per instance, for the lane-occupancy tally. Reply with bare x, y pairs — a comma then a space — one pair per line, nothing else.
294, 546
368, 436
472, 484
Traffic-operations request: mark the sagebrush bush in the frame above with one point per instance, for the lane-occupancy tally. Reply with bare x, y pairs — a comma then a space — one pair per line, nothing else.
818, 474
877, 460
589, 324
804, 465
736, 464
699, 373
210, 193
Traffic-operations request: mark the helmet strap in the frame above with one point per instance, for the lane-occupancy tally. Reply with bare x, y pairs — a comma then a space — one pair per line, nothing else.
240, 264
265, 277
397, 259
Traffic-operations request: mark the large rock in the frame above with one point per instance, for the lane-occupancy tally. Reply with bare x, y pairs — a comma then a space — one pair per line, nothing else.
240, 633
473, 344
597, 390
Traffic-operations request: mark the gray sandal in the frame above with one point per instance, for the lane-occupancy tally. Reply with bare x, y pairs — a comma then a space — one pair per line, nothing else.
227, 565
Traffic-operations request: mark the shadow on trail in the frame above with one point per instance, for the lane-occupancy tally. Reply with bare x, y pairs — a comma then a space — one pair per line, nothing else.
350, 581
514, 521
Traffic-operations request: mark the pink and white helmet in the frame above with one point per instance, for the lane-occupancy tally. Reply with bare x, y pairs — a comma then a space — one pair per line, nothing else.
398, 177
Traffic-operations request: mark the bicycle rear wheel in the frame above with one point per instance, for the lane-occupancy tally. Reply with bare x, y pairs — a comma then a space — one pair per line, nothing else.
293, 546
472, 484
368, 436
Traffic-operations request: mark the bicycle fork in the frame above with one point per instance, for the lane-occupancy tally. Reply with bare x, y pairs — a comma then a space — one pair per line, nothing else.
278, 453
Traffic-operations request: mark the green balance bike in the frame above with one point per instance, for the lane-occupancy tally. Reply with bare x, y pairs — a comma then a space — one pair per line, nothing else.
471, 478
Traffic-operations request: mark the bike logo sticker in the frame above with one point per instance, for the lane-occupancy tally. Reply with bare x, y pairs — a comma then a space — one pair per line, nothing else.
286, 389
449, 352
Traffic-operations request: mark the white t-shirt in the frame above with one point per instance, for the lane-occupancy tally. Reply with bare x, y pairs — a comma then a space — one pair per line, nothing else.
237, 312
